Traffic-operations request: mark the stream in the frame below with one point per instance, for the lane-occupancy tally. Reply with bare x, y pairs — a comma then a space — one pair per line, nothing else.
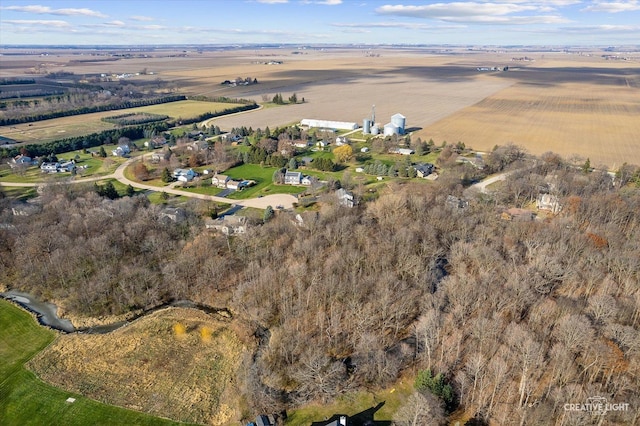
47, 313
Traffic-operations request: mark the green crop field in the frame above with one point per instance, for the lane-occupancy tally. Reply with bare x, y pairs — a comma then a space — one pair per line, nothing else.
26, 400
79, 125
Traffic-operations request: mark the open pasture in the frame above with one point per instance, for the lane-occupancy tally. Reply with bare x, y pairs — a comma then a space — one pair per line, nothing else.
78, 125
177, 363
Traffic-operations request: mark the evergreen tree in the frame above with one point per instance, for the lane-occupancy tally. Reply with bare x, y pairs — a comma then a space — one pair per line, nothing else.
268, 214
130, 191
103, 153
166, 176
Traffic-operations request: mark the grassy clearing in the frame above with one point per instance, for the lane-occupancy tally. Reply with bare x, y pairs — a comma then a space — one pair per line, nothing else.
354, 403
26, 400
177, 363
79, 125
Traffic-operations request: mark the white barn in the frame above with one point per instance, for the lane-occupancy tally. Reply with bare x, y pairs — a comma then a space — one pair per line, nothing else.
327, 124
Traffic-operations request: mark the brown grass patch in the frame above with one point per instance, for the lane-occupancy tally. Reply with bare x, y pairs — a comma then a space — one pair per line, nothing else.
177, 363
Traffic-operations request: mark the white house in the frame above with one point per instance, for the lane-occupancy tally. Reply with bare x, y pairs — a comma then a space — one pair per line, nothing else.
121, 150
306, 180
50, 167
220, 180
292, 178
345, 198
548, 202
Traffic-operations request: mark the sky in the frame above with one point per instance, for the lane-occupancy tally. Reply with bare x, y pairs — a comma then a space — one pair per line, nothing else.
230, 22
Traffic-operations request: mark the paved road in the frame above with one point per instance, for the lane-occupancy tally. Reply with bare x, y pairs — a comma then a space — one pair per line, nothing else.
272, 200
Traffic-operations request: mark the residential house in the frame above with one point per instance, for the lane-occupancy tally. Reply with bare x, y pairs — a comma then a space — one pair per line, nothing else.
20, 160
423, 169
548, 202
476, 161
220, 181
341, 140
228, 224
197, 146
121, 151
184, 175
345, 198
67, 166
301, 144
306, 180
52, 167
456, 203
292, 178
234, 184
174, 215
156, 142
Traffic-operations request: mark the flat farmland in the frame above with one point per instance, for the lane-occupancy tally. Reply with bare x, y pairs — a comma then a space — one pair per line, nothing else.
591, 121
78, 125
569, 103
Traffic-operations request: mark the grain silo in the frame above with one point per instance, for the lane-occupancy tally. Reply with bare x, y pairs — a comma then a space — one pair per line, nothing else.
366, 126
398, 120
391, 129
375, 129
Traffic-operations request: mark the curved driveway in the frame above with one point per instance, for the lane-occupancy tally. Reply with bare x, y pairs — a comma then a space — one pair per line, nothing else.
284, 200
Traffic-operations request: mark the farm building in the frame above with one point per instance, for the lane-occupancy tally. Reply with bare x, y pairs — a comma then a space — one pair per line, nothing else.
327, 124
403, 151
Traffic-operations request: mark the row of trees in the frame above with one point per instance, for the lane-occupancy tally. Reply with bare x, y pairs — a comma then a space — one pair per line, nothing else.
6, 118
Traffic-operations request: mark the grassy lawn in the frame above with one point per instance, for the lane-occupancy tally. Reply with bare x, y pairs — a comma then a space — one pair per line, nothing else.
26, 400
156, 198
354, 403
206, 190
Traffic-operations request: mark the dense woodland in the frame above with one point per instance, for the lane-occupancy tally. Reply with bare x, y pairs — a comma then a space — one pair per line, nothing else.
519, 318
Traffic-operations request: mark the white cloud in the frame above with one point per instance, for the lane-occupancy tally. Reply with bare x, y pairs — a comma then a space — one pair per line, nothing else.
475, 12
590, 29
46, 10
405, 25
323, 2
142, 18
38, 23
613, 7
272, 1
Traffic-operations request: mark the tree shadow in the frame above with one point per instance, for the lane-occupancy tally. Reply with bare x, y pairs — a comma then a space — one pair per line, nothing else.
363, 418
